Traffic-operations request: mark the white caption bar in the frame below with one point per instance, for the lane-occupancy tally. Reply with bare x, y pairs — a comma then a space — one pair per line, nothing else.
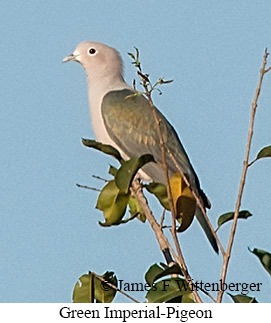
130, 312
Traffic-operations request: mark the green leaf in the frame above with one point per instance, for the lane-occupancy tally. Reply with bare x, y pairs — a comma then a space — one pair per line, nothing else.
265, 152
107, 149
177, 299
152, 272
156, 272
82, 290
90, 288
103, 292
167, 290
169, 270
160, 191
229, 216
136, 210
128, 170
265, 258
134, 214
187, 298
239, 298
113, 203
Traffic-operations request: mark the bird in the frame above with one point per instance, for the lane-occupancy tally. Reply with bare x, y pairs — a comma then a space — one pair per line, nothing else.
129, 125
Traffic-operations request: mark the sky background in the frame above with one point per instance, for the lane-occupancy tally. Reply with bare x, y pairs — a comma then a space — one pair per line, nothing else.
49, 232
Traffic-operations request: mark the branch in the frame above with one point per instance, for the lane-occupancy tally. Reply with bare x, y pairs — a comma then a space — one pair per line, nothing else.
88, 187
100, 178
145, 82
227, 256
165, 169
162, 218
137, 192
161, 238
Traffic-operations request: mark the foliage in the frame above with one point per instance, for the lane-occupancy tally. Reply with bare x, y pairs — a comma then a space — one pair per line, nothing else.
229, 216
264, 257
92, 288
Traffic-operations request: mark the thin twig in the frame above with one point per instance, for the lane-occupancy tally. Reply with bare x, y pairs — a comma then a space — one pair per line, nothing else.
162, 218
227, 256
165, 169
252, 162
100, 178
115, 287
88, 187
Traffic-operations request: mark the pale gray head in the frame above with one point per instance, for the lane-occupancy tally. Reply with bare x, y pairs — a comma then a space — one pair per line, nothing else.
99, 60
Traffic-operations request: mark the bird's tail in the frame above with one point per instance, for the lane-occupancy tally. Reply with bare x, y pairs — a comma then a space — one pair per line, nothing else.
205, 226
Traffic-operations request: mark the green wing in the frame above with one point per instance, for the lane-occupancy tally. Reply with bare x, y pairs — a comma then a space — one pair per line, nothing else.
130, 123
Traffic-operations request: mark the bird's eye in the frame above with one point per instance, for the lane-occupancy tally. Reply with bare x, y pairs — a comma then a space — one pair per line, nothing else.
92, 51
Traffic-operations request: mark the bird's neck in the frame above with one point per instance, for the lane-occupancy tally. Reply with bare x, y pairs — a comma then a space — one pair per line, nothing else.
105, 84
97, 89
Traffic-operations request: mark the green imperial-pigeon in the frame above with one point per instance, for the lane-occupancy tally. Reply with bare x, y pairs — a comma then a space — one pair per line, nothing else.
129, 124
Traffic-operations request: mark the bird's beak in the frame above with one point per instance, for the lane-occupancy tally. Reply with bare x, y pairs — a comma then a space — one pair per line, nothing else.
68, 58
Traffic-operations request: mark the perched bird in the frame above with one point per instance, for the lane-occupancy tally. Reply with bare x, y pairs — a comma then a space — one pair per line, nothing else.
129, 124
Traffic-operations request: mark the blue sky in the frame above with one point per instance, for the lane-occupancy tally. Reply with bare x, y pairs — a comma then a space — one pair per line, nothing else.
49, 233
